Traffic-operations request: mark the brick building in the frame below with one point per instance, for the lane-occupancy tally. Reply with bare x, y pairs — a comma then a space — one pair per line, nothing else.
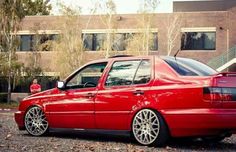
204, 33
207, 36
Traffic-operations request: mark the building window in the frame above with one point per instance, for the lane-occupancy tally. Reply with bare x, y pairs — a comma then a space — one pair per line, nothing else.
154, 42
47, 37
94, 42
119, 41
28, 42
45, 41
88, 41
198, 41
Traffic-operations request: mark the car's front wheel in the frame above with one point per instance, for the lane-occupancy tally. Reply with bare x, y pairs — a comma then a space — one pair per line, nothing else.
35, 121
149, 128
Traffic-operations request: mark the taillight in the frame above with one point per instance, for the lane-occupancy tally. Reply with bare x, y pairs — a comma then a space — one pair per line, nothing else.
228, 94
219, 94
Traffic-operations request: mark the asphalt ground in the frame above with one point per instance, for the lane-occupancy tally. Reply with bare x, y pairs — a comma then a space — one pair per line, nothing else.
11, 139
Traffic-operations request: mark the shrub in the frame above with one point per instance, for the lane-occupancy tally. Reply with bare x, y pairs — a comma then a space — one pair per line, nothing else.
3, 97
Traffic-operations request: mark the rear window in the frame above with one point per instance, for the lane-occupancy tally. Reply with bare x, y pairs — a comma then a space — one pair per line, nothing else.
189, 67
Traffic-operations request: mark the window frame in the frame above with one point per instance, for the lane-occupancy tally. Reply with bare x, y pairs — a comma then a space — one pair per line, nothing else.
31, 43
94, 41
33, 34
152, 68
70, 77
154, 31
203, 40
199, 30
156, 41
138, 69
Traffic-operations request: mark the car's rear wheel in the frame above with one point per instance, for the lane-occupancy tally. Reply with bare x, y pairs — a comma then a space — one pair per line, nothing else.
149, 128
35, 121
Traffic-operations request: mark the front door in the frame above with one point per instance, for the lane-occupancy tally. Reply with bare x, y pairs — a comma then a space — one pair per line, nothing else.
75, 107
124, 87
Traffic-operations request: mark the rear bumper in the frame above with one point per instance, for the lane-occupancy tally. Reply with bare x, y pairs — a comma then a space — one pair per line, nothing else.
197, 122
19, 118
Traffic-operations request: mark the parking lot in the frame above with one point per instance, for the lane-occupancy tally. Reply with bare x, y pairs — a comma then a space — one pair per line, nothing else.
11, 139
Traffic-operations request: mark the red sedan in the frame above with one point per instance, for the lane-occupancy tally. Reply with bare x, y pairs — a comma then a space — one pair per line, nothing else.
154, 98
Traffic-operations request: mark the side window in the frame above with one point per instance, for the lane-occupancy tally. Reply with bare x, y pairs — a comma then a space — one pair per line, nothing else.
143, 74
87, 77
122, 73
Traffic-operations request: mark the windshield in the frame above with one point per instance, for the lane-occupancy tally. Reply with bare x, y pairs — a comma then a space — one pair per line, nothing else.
189, 67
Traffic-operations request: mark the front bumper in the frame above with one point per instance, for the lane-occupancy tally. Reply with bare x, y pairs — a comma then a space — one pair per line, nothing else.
19, 118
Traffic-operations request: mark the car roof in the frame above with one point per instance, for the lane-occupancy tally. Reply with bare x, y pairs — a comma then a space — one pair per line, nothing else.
121, 57
130, 57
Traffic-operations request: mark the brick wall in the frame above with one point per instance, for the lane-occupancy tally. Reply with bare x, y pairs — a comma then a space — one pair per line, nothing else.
231, 14
222, 20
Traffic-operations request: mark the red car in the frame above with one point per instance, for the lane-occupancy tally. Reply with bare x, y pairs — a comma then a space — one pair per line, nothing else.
153, 97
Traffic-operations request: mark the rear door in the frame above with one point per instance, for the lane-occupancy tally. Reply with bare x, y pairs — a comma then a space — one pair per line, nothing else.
123, 88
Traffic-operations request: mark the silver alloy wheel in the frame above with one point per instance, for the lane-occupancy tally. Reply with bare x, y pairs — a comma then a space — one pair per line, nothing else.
146, 126
35, 121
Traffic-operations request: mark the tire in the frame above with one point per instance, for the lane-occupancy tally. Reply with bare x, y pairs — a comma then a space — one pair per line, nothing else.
149, 128
35, 121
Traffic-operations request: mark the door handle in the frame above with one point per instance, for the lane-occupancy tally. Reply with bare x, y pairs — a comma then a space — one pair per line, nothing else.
138, 92
90, 95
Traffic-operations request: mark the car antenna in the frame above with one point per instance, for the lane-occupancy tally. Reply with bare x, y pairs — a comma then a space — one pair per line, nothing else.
176, 53
175, 57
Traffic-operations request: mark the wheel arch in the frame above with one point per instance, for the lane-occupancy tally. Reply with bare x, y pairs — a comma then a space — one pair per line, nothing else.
35, 105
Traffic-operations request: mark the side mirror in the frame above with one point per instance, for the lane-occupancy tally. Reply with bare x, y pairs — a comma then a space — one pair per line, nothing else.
60, 85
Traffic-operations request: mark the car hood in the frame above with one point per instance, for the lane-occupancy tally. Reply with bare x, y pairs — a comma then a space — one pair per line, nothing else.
42, 94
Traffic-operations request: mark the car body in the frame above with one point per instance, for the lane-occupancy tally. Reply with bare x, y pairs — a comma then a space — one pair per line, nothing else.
153, 97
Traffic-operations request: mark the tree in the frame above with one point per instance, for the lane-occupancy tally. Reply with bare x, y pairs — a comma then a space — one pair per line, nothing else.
108, 20
36, 7
10, 16
68, 48
34, 68
173, 26
139, 43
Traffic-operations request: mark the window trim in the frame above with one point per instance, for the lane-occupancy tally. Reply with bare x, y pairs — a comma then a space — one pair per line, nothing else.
138, 30
30, 32
198, 29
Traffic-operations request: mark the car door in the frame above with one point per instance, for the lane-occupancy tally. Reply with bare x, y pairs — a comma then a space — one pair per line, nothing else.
75, 107
124, 86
